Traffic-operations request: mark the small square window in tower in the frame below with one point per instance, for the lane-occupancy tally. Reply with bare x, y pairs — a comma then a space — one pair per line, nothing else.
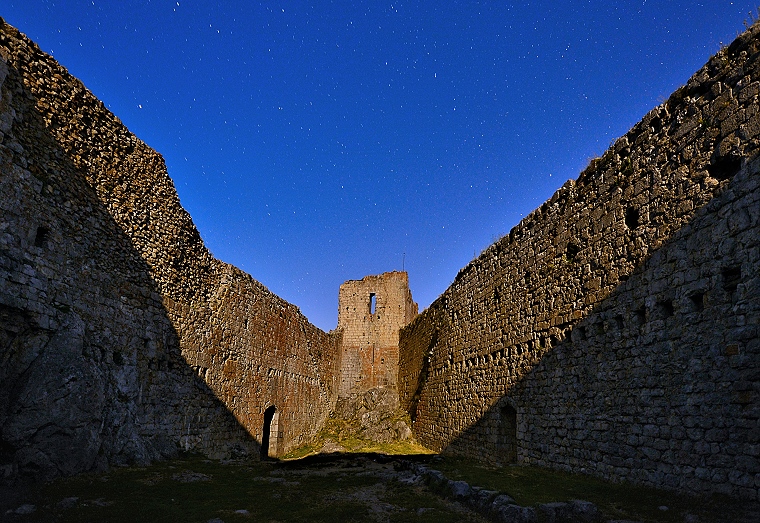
372, 302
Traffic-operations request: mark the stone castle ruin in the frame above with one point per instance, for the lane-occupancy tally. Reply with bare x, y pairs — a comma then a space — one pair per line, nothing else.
122, 337
371, 311
615, 331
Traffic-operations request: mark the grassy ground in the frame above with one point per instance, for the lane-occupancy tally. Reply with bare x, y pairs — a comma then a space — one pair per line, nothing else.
349, 487
198, 490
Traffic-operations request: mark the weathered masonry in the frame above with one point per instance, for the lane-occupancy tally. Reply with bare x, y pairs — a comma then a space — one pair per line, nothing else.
370, 313
616, 329
121, 337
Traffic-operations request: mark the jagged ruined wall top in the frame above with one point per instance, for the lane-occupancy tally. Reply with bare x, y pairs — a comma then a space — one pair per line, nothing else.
92, 226
615, 329
370, 313
92, 370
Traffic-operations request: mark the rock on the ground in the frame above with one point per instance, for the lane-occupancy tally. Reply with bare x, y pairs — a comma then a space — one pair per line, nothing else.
23, 510
331, 447
375, 411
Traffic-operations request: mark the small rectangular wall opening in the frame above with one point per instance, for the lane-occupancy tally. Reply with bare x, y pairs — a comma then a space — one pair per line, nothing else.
372, 302
640, 316
632, 217
697, 301
732, 276
41, 236
665, 309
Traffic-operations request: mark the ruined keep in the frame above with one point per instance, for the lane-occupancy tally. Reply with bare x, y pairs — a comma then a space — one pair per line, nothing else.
371, 311
616, 329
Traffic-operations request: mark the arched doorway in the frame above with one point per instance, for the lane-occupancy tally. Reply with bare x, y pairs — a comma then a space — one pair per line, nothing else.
269, 433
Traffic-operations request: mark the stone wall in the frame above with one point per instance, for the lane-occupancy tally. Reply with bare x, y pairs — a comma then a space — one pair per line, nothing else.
256, 350
370, 313
121, 337
615, 330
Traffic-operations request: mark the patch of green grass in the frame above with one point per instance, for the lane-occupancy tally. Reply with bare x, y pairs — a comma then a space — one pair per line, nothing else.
401, 448
301, 452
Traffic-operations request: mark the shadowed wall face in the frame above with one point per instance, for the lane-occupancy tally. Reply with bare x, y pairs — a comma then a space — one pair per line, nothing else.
370, 313
620, 319
122, 337
91, 372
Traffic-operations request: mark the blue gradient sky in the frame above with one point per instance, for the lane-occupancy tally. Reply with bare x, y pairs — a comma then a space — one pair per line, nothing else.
315, 142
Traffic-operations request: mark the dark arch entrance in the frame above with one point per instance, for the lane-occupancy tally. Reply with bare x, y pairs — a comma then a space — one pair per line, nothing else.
267, 430
508, 432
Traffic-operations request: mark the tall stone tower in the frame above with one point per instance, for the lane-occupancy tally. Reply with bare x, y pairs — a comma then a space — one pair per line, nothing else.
370, 312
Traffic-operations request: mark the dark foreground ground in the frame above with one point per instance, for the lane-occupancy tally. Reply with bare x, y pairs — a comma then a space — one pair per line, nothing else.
368, 487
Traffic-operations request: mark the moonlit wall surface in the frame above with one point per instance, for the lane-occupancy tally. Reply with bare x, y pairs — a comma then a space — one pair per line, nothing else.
313, 145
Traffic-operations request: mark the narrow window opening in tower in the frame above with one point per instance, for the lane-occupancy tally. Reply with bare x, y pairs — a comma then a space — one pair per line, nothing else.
372, 302
640, 316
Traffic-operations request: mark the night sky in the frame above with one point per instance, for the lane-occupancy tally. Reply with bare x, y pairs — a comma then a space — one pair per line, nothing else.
316, 142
